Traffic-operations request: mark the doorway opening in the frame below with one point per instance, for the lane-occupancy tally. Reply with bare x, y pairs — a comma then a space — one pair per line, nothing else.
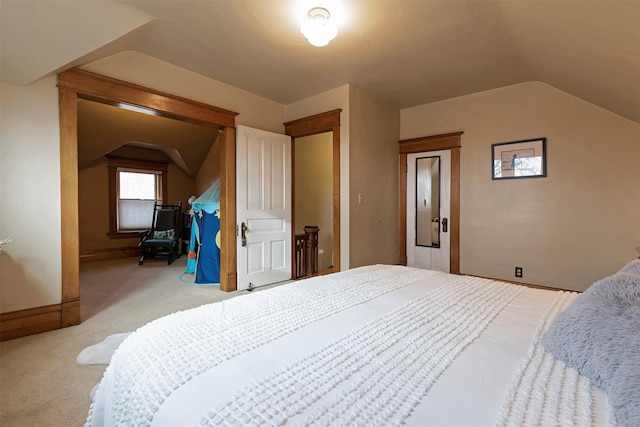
168, 153
78, 84
313, 202
322, 129
451, 142
428, 209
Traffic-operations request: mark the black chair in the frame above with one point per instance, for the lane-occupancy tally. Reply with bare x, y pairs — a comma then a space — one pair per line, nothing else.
163, 239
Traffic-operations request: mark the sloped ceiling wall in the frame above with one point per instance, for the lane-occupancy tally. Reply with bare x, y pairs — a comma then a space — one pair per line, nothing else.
104, 129
405, 53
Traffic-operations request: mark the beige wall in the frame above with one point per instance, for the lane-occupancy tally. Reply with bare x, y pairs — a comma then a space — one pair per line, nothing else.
210, 170
180, 186
578, 224
368, 165
93, 209
153, 73
373, 173
314, 191
327, 101
30, 267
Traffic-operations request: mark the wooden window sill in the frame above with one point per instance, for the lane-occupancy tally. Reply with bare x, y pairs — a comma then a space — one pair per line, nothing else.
124, 235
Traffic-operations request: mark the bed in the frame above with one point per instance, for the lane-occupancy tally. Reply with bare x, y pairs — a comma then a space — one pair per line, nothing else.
376, 345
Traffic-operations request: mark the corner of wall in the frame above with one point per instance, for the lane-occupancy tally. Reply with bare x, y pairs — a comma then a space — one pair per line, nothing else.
373, 152
210, 169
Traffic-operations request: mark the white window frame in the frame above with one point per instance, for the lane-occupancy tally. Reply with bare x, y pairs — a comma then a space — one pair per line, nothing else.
157, 197
116, 166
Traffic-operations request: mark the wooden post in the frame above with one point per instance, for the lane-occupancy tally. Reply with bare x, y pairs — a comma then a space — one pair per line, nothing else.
312, 248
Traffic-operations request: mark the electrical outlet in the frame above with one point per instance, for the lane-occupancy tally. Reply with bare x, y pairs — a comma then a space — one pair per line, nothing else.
518, 271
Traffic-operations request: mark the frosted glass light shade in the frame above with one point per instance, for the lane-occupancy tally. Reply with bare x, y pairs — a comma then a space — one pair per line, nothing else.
318, 28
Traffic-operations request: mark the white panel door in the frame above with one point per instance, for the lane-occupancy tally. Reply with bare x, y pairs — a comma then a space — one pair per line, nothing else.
431, 257
263, 207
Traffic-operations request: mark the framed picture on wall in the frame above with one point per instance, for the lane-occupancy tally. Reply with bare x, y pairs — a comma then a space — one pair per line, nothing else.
519, 159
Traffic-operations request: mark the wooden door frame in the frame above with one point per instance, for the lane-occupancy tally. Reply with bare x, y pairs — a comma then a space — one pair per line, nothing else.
312, 125
76, 83
449, 141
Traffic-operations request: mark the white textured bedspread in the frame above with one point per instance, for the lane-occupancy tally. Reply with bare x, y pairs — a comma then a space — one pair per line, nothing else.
376, 345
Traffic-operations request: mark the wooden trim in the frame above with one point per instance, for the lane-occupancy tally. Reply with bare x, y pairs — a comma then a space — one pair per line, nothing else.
528, 285
111, 253
449, 141
69, 226
312, 125
111, 91
454, 214
228, 255
402, 209
294, 242
119, 162
430, 143
336, 197
31, 321
70, 313
124, 235
547, 288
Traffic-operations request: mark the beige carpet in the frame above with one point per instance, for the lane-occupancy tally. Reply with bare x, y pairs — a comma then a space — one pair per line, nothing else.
40, 381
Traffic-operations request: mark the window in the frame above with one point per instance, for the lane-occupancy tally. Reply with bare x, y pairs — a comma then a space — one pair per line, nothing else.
137, 192
134, 186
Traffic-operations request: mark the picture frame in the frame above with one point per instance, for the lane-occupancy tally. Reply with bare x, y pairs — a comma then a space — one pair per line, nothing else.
526, 158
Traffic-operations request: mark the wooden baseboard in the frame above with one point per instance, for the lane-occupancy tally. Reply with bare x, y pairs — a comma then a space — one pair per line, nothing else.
229, 284
70, 313
528, 285
32, 321
113, 253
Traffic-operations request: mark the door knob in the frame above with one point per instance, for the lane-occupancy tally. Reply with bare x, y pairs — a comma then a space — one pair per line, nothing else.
243, 234
445, 222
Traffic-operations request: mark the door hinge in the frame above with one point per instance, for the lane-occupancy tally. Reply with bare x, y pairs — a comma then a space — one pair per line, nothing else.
237, 231
406, 168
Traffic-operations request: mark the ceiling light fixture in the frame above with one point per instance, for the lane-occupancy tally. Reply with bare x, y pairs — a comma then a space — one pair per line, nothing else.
137, 109
318, 27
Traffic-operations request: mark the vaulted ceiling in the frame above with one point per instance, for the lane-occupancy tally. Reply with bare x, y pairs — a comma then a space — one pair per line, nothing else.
404, 52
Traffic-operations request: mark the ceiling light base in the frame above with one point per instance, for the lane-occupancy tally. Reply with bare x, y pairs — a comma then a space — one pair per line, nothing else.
318, 28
